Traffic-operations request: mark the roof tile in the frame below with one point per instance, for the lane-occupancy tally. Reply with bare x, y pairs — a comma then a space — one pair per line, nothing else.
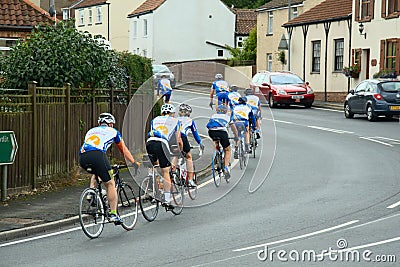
279, 3
147, 6
246, 20
22, 13
86, 3
327, 10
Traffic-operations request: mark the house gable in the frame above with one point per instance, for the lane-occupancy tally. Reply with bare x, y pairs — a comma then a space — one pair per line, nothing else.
147, 7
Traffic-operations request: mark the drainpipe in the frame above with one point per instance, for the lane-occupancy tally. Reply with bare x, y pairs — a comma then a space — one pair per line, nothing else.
108, 21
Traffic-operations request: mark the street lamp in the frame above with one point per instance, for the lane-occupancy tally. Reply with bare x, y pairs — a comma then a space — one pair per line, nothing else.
361, 30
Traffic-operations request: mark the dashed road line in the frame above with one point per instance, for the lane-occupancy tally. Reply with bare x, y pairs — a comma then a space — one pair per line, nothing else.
376, 141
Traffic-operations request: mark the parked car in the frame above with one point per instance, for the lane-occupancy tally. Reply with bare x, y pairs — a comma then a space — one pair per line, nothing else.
374, 97
282, 87
160, 70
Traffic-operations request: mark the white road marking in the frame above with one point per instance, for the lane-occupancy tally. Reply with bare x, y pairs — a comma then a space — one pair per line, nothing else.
328, 109
376, 141
330, 130
394, 205
298, 237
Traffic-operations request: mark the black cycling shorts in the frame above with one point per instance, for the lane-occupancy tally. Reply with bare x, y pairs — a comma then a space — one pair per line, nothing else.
157, 150
98, 162
221, 135
186, 144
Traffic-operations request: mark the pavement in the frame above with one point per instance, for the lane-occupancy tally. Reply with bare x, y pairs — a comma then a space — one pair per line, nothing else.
54, 210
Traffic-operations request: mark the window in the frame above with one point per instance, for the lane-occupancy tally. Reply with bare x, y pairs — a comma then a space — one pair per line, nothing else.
269, 62
316, 56
145, 27
270, 22
390, 8
294, 12
90, 18
65, 12
99, 14
240, 42
144, 53
5, 45
339, 47
220, 52
135, 29
364, 10
81, 17
390, 55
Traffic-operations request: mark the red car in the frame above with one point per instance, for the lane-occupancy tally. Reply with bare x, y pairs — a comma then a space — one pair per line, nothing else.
283, 88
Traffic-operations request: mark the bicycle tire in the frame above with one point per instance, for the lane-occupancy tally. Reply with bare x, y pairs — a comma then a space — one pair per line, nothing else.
241, 154
192, 191
127, 206
91, 213
177, 194
215, 165
147, 199
253, 144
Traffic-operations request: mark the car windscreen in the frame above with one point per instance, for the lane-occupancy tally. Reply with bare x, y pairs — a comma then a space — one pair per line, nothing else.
285, 79
160, 68
391, 86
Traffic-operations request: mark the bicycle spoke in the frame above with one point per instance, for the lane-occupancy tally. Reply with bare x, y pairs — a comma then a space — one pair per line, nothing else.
91, 213
127, 206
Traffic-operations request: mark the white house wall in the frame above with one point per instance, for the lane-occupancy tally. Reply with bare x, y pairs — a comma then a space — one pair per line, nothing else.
336, 81
180, 28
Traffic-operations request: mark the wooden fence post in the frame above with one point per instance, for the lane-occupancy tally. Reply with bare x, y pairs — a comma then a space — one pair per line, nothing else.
32, 92
112, 101
93, 108
129, 89
67, 123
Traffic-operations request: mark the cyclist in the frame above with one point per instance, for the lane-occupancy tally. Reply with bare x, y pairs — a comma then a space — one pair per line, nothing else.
165, 132
254, 102
218, 131
188, 125
242, 115
221, 89
164, 85
93, 154
233, 96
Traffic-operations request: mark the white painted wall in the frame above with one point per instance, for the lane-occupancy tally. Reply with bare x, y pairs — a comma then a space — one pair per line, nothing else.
179, 29
336, 81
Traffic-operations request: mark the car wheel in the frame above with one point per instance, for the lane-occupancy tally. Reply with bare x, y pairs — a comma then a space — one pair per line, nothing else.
271, 101
370, 113
347, 111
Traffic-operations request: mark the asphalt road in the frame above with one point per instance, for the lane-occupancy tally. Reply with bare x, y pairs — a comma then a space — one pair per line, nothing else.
322, 182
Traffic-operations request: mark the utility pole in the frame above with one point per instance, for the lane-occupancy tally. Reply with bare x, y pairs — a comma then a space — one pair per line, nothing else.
289, 35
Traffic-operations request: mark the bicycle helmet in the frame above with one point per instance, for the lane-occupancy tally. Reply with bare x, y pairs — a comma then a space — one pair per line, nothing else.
218, 76
242, 100
248, 91
222, 109
167, 108
185, 110
233, 88
106, 118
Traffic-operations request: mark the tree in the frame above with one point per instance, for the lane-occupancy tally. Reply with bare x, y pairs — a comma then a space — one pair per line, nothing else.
54, 55
248, 51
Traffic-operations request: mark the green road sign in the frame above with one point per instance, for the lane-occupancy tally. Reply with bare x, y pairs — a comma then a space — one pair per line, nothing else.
8, 147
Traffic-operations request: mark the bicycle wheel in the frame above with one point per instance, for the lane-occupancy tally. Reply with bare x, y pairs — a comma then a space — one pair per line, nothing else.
127, 206
192, 190
241, 152
253, 144
147, 199
245, 156
177, 194
91, 213
215, 166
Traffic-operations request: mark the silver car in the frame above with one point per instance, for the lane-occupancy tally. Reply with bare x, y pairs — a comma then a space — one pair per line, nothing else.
160, 70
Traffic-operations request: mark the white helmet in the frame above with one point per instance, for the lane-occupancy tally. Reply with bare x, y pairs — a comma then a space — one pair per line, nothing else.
218, 76
167, 108
106, 118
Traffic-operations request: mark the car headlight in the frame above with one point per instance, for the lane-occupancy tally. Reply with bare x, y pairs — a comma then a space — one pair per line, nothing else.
282, 92
310, 91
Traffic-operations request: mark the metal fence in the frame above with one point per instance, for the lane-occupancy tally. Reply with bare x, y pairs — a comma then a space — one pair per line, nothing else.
50, 124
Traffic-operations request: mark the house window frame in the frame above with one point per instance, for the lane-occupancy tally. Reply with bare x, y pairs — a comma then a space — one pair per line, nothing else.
81, 17
316, 56
295, 12
364, 10
145, 28
90, 16
99, 14
220, 52
269, 61
270, 30
395, 55
390, 9
65, 12
339, 55
135, 29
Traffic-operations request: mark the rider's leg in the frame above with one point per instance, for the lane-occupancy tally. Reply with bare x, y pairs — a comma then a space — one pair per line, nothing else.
227, 158
189, 165
112, 195
166, 183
